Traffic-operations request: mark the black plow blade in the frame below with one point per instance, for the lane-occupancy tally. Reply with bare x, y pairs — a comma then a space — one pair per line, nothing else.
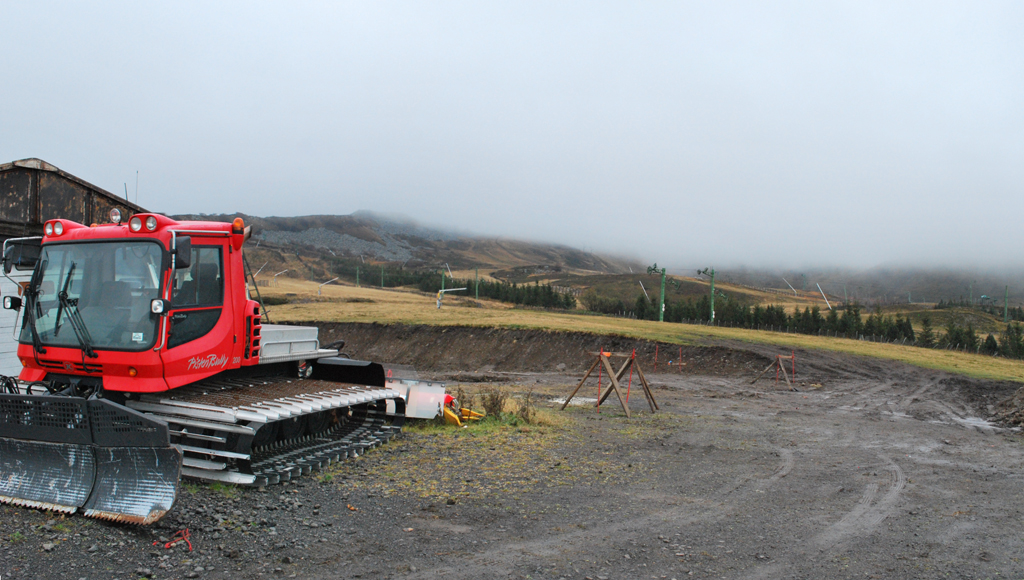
66, 454
49, 476
135, 485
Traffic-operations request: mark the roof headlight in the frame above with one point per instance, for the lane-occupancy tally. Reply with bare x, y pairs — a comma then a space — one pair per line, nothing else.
58, 228
48, 228
115, 216
135, 224
151, 223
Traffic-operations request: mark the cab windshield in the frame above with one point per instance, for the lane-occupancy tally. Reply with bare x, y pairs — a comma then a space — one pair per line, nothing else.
100, 291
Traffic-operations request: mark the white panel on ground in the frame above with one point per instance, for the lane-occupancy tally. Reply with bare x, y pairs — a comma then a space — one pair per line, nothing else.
423, 400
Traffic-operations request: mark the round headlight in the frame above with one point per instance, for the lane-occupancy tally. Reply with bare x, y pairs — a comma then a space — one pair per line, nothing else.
135, 224
115, 216
48, 229
58, 228
151, 223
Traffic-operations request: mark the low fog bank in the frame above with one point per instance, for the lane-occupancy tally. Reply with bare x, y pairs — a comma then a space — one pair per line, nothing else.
891, 284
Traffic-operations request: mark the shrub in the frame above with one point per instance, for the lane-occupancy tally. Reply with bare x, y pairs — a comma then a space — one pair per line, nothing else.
465, 398
526, 411
494, 401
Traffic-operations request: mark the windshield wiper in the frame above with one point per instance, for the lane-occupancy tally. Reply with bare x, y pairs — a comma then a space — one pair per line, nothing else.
77, 324
62, 297
32, 306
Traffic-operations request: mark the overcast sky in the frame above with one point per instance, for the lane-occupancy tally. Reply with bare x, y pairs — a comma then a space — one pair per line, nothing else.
691, 134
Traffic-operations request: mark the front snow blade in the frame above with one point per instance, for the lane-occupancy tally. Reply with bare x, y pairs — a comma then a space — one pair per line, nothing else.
135, 485
49, 476
66, 453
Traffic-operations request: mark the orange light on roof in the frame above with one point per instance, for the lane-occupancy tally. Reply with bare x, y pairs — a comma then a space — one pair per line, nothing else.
238, 226
132, 372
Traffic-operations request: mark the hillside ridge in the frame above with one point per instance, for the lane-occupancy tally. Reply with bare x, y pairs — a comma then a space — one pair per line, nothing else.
373, 237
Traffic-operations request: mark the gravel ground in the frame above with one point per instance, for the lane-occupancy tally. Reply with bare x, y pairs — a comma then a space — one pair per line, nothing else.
870, 470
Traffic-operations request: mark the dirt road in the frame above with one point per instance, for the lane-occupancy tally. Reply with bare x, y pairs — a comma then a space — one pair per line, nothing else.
871, 470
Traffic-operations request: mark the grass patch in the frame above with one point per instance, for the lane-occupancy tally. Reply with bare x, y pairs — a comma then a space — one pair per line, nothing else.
498, 460
16, 537
190, 487
408, 307
224, 489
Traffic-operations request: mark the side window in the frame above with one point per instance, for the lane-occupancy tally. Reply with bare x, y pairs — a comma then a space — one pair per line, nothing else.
203, 283
197, 296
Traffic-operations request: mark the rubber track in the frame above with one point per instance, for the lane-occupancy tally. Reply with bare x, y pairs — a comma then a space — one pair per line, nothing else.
281, 461
284, 460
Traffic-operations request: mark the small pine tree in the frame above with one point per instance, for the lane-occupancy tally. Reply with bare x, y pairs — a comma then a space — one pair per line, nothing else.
1011, 344
640, 307
971, 343
927, 336
990, 346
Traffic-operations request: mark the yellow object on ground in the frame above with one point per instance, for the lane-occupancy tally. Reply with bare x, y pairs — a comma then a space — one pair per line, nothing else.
468, 415
451, 418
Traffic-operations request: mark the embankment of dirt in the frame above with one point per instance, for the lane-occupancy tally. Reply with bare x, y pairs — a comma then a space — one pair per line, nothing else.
471, 354
448, 349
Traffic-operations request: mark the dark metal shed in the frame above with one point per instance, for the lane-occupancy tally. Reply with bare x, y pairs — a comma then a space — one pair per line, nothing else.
32, 191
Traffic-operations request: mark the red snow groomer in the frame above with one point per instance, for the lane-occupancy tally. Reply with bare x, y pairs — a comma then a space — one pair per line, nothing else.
146, 359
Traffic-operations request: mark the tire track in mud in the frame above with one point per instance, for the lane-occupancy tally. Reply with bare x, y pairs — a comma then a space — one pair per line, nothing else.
924, 402
866, 515
507, 555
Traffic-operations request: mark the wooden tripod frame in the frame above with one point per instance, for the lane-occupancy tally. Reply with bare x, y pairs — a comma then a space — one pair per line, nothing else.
614, 377
778, 366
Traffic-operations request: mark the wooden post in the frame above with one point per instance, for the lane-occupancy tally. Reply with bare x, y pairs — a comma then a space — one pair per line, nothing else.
647, 389
603, 363
590, 370
782, 368
774, 362
618, 375
615, 384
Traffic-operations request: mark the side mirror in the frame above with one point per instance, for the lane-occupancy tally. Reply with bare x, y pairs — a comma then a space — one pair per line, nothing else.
12, 303
22, 255
183, 252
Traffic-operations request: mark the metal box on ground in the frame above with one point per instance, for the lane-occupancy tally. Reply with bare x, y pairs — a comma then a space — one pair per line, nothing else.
423, 399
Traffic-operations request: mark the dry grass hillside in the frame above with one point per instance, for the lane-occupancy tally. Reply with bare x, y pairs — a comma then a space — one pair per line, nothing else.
374, 239
345, 303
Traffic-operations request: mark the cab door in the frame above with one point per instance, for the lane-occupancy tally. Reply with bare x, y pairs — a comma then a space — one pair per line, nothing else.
200, 335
